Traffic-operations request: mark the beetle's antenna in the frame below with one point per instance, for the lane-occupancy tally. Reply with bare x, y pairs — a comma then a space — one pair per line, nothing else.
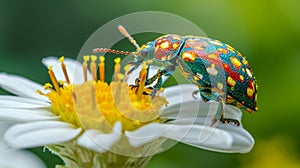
108, 50
123, 31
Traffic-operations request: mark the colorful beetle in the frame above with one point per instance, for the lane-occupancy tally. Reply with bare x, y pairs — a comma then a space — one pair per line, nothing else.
218, 70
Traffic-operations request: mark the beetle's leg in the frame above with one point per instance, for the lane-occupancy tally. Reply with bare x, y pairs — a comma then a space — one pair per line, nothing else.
135, 64
147, 90
205, 94
222, 119
164, 71
157, 86
136, 84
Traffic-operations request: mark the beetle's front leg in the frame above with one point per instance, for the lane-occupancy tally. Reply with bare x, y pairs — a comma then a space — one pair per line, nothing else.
164, 71
135, 64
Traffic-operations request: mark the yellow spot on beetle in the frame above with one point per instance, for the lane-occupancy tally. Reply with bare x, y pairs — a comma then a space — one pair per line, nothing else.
220, 85
235, 62
223, 50
212, 70
245, 61
230, 48
250, 92
175, 46
164, 45
242, 78
230, 81
249, 72
213, 56
186, 56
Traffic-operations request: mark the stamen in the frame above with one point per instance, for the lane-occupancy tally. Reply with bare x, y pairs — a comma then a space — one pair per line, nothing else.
93, 67
48, 86
40, 93
63, 67
102, 68
53, 79
142, 77
126, 69
86, 58
117, 68
120, 76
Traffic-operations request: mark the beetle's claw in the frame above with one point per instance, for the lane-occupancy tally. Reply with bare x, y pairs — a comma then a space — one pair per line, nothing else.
225, 121
230, 121
153, 93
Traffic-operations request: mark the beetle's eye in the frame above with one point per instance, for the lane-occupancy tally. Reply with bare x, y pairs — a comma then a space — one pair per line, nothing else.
144, 52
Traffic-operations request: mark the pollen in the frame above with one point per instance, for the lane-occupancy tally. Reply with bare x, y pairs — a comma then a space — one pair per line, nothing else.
96, 104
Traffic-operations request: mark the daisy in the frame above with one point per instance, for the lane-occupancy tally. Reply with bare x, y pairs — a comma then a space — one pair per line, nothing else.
90, 123
16, 158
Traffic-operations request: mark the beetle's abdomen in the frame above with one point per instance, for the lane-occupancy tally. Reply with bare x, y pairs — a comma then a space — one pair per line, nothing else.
223, 66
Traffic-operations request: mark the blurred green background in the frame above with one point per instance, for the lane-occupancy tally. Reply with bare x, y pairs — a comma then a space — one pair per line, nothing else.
266, 32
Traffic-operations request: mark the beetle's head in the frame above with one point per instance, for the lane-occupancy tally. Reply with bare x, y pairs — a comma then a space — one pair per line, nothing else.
146, 52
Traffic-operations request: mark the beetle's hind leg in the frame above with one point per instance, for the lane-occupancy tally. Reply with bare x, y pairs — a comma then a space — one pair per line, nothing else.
222, 119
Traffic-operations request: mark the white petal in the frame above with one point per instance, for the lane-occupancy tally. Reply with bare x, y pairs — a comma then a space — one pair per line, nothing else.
180, 93
40, 133
221, 139
74, 69
243, 141
3, 127
19, 159
25, 115
21, 102
226, 138
21, 86
94, 140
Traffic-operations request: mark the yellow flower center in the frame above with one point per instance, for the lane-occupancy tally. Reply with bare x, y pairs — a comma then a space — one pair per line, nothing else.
96, 104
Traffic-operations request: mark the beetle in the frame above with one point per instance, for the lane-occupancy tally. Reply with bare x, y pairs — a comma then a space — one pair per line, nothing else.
219, 71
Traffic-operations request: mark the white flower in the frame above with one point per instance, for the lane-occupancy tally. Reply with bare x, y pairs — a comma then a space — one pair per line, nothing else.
12, 158
185, 119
